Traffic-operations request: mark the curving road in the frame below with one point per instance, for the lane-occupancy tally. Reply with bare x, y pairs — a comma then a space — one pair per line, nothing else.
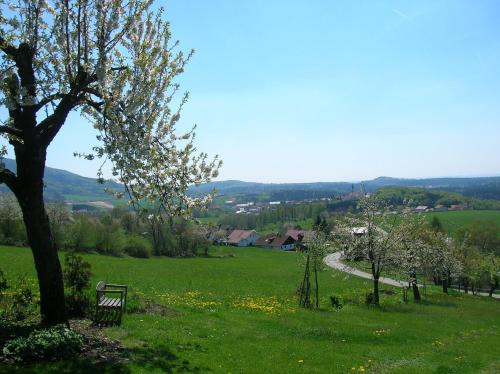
333, 261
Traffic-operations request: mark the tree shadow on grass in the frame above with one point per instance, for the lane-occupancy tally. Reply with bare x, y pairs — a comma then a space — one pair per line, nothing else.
440, 302
149, 359
76, 366
160, 357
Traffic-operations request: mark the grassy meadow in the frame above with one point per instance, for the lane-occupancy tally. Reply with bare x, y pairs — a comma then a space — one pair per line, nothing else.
238, 314
453, 220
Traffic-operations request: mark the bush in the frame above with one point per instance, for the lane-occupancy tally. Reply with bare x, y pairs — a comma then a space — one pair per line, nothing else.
370, 298
110, 242
137, 247
3, 282
48, 344
22, 301
82, 235
336, 302
76, 273
77, 279
79, 305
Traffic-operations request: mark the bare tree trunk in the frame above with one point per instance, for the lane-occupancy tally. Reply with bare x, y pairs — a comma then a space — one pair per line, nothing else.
493, 286
316, 284
29, 193
445, 285
436, 280
414, 286
157, 236
376, 293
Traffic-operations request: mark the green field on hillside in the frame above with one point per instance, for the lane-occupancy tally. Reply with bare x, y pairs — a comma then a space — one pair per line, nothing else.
453, 220
239, 315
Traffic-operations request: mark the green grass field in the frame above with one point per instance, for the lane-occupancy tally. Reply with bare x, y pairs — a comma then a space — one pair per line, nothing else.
453, 220
239, 315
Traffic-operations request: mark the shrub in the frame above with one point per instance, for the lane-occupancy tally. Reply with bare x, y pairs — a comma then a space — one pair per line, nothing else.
76, 273
22, 301
48, 344
137, 247
79, 305
110, 242
82, 236
370, 298
77, 280
3, 282
336, 302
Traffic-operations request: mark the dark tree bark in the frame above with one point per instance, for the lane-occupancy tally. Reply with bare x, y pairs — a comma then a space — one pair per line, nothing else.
493, 287
316, 285
466, 285
30, 140
416, 292
376, 292
436, 280
29, 193
445, 285
376, 275
414, 287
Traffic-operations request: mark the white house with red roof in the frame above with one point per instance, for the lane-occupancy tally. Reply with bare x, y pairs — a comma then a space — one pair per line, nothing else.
242, 238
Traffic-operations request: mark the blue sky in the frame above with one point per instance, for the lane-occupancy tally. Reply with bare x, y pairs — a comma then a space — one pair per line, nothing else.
291, 91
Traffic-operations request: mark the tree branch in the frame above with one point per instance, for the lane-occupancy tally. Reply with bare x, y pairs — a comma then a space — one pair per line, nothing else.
94, 104
50, 126
7, 48
10, 131
47, 100
8, 177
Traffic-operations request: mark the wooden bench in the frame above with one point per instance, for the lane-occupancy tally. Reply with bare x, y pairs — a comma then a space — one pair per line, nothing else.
111, 302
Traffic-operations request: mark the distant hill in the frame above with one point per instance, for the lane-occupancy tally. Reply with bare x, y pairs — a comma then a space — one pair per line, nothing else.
474, 187
62, 184
75, 188
240, 187
442, 183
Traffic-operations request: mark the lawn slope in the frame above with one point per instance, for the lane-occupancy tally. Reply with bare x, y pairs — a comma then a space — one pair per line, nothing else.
239, 315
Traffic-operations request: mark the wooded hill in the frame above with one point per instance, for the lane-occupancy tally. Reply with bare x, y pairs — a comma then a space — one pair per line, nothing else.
414, 196
62, 184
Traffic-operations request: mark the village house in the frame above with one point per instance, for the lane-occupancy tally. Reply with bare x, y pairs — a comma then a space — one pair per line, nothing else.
277, 241
242, 238
359, 231
298, 235
421, 209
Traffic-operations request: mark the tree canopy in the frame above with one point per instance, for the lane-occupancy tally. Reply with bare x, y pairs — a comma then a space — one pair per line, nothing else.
115, 62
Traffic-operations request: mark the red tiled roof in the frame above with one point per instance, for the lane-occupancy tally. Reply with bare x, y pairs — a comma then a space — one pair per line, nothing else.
295, 233
283, 240
237, 235
275, 240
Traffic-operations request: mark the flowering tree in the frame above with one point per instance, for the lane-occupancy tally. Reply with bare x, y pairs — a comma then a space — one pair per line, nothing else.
114, 61
370, 236
491, 272
444, 262
412, 249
